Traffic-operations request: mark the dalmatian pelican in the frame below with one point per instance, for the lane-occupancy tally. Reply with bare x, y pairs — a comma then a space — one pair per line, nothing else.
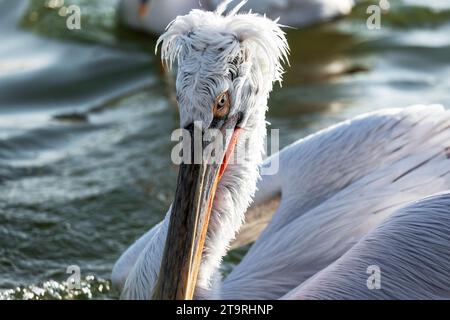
366, 194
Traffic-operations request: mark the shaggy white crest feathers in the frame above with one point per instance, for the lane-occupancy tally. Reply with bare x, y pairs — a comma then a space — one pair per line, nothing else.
249, 29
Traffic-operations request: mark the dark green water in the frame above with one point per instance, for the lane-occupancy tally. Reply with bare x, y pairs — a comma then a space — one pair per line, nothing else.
85, 122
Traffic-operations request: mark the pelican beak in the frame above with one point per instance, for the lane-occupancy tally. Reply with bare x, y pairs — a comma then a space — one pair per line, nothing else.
144, 6
191, 210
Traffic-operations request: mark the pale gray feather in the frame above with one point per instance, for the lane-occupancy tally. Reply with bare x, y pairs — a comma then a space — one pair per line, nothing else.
338, 185
411, 250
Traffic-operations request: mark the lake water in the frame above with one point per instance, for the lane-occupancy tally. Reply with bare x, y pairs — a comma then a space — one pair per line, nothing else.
86, 116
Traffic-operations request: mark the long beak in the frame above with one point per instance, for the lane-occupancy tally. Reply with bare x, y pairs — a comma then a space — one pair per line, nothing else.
191, 210
144, 6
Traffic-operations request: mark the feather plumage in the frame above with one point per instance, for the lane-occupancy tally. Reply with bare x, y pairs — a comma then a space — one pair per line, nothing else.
336, 186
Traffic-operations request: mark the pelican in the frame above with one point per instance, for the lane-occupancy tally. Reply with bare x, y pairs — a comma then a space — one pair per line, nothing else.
154, 15
366, 193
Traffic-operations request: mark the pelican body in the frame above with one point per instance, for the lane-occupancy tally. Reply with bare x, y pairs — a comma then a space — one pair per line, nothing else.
370, 192
154, 15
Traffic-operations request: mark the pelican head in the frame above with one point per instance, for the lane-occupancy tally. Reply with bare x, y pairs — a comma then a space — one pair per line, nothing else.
227, 64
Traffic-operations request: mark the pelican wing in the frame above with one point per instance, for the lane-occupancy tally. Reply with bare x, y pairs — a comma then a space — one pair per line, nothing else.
337, 186
406, 257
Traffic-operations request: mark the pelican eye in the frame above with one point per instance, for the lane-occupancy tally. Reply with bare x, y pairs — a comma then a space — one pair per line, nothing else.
222, 105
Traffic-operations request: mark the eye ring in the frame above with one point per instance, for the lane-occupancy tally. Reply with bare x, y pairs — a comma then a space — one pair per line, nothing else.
222, 105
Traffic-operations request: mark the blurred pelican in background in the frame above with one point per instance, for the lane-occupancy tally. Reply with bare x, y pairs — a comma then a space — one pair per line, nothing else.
154, 15
367, 192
